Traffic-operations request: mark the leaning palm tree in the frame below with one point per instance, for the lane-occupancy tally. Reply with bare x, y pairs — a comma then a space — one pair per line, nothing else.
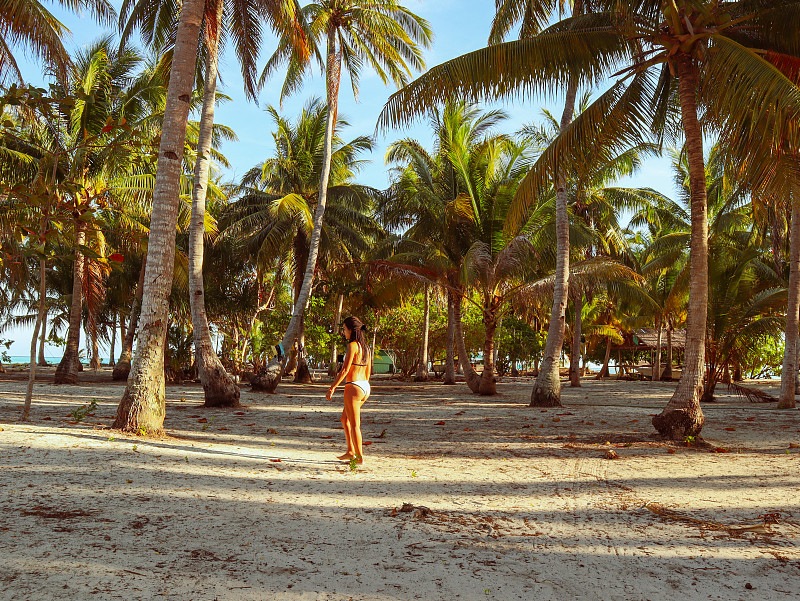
272, 217
674, 58
242, 23
382, 33
142, 406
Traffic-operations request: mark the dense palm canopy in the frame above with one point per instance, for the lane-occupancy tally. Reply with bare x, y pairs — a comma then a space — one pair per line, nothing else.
497, 236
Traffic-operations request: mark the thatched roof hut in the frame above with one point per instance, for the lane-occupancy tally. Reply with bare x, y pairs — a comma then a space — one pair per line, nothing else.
646, 339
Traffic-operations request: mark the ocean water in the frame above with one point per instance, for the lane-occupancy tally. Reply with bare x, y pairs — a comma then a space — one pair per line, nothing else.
50, 360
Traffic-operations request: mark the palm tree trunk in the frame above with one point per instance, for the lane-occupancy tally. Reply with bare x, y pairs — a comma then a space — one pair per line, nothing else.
422, 369
604, 373
657, 363
547, 388
473, 379
667, 375
113, 339
790, 353
123, 333
123, 366
26, 409
575, 351
218, 387
67, 370
302, 375
450, 364
682, 416
95, 363
270, 376
42, 338
333, 369
142, 406
487, 385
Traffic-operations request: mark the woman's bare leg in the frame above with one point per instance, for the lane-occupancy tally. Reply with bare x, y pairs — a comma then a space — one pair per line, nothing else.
351, 451
353, 399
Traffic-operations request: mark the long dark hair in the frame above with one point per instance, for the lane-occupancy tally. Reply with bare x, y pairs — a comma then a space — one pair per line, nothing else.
358, 333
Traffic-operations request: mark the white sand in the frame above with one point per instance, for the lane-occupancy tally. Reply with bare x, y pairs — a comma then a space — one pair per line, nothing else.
525, 505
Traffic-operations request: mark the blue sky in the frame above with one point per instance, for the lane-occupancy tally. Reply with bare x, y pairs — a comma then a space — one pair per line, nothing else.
459, 26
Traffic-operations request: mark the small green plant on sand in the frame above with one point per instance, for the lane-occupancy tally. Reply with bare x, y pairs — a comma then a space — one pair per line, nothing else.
207, 424
689, 440
81, 412
353, 464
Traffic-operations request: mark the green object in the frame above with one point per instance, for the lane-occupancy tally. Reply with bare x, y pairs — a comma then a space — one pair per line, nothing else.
383, 362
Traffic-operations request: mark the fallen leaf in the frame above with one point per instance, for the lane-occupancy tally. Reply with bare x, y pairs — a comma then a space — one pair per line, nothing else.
556, 419
460, 413
794, 446
439, 424
671, 451
253, 424
366, 443
238, 413
731, 429
276, 460
467, 430
202, 420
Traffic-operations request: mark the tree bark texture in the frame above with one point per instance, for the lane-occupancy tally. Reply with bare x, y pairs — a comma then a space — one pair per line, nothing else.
123, 365
42, 337
113, 340
334, 366
422, 369
95, 363
450, 363
302, 374
472, 377
790, 352
270, 376
575, 351
667, 373
67, 370
26, 409
683, 416
547, 388
657, 363
143, 404
604, 373
218, 387
488, 383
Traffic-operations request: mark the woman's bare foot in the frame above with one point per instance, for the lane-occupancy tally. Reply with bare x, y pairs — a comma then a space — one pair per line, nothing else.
346, 457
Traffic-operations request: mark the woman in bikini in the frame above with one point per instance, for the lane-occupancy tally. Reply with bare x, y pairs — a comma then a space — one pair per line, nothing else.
355, 373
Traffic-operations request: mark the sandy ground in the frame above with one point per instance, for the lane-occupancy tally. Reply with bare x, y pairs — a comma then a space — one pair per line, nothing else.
509, 502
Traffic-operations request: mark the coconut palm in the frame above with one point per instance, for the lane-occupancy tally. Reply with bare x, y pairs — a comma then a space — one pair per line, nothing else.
28, 24
273, 215
382, 33
420, 205
222, 20
675, 58
142, 405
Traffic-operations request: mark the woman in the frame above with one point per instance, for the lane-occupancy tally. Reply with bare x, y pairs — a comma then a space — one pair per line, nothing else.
355, 373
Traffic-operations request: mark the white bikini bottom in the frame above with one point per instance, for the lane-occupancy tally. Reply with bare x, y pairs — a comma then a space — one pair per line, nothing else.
363, 385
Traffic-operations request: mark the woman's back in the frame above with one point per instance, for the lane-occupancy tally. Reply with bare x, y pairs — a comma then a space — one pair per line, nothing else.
359, 368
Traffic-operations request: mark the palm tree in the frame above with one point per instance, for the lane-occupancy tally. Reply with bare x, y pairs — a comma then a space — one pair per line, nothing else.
142, 406
29, 24
421, 205
676, 55
386, 36
243, 24
273, 215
